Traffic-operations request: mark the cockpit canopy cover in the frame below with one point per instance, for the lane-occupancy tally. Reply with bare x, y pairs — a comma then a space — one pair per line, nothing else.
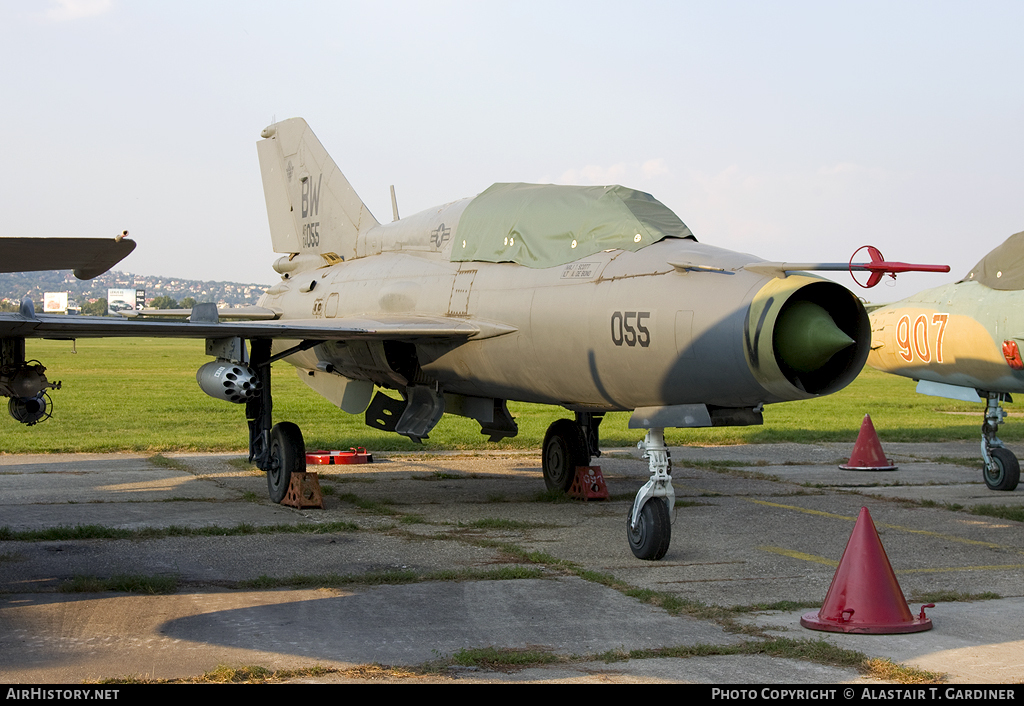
543, 225
1003, 268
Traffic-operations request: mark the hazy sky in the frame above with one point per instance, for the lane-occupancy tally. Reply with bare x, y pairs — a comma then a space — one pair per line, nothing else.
791, 130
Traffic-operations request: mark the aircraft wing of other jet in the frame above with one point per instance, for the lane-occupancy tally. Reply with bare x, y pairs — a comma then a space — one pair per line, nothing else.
88, 257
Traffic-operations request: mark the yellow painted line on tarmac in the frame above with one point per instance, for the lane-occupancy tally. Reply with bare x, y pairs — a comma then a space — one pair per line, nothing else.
802, 509
927, 533
799, 555
995, 567
828, 562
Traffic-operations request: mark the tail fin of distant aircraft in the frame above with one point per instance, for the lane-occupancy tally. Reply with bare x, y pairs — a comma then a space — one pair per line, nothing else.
310, 204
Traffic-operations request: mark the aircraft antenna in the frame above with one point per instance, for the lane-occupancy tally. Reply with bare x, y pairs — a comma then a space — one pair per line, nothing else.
394, 204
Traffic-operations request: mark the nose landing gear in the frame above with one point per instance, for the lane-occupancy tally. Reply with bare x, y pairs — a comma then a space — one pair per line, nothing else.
1001, 469
649, 525
569, 444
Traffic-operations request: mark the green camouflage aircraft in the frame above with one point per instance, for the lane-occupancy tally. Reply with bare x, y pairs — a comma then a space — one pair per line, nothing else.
962, 341
595, 299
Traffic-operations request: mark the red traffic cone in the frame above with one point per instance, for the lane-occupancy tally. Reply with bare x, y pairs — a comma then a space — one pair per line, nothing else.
864, 596
867, 452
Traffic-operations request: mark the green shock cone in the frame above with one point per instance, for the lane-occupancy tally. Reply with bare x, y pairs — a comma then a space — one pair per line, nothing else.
806, 337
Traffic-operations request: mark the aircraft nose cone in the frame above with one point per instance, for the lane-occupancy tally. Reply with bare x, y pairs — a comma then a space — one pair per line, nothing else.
806, 337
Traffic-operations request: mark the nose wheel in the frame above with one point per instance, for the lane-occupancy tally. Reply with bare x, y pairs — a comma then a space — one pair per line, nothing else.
650, 537
1003, 471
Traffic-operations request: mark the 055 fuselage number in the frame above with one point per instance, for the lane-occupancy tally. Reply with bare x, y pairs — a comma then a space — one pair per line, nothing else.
311, 235
311, 209
628, 328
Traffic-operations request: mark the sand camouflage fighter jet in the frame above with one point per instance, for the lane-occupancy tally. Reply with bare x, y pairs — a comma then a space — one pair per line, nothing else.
963, 341
596, 299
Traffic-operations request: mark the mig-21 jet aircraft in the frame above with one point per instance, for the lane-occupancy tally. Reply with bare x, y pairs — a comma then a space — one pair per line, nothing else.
595, 299
962, 341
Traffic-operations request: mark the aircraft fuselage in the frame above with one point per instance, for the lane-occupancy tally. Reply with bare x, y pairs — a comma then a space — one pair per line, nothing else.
616, 330
962, 334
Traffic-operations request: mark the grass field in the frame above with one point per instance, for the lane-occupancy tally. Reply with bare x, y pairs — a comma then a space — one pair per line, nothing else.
141, 395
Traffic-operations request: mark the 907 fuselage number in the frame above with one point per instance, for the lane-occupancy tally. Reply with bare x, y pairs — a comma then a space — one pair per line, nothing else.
628, 328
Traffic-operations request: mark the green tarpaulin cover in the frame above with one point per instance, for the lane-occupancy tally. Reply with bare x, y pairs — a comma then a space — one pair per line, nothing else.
1003, 268
543, 225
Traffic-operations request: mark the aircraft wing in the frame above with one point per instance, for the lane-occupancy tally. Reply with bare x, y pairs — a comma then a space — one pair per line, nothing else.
27, 324
88, 257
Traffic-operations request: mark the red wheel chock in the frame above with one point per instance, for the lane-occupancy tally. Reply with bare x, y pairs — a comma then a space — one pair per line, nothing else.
337, 458
304, 491
588, 484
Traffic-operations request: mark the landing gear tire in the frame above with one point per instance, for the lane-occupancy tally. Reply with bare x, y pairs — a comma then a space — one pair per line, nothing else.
653, 533
1006, 473
565, 447
287, 456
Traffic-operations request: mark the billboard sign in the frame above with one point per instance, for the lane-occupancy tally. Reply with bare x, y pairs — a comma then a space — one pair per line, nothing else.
55, 302
120, 300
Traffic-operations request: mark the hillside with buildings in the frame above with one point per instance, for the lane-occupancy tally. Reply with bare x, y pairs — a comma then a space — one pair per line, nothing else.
16, 285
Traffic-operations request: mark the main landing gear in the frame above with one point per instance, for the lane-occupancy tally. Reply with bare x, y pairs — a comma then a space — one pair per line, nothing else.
569, 444
287, 455
565, 448
1001, 469
279, 449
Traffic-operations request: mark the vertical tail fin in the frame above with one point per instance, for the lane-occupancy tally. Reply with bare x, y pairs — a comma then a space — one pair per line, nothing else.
311, 207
